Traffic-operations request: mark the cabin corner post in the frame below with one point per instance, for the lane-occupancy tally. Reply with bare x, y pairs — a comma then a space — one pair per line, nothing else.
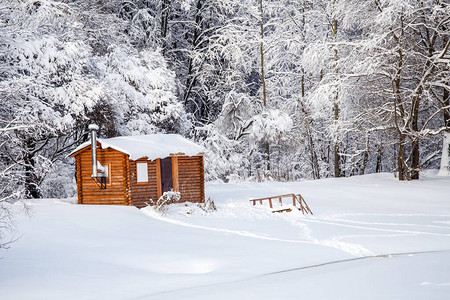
202, 182
126, 180
176, 185
79, 179
158, 177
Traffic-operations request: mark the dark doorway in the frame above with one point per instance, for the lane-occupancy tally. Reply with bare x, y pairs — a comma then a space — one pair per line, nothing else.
166, 174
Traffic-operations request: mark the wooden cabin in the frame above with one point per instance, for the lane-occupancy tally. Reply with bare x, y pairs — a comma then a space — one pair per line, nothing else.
135, 170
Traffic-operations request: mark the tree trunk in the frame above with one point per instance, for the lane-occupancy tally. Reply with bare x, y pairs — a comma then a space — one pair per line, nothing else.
399, 111
191, 106
165, 7
337, 167
365, 159
378, 168
446, 98
314, 161
415, 160
400, 159
445, 158
261, 52
263, 79
415, 153
446, 93
32, 189
337, 157
315, 169
164, 17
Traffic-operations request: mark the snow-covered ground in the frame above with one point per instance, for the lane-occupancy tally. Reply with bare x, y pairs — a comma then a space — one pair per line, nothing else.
371, 237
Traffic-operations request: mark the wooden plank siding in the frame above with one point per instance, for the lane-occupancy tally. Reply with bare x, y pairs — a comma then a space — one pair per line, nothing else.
89, 191
191, 178
142, 192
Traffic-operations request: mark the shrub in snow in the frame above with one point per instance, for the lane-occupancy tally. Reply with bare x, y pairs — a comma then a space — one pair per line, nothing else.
168, 204
169, 197
209, 206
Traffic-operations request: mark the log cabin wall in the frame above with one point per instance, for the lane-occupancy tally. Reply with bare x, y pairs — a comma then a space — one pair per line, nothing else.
191, 182
142, 192
116, 187
122, 187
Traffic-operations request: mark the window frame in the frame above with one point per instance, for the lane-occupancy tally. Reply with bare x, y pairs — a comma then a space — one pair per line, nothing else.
108, 166
137, 172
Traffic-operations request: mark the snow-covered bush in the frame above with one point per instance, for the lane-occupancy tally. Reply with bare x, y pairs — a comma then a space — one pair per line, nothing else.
169, 197
270, 126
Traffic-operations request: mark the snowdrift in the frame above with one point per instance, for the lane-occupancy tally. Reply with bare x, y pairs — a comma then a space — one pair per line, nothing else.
371, 237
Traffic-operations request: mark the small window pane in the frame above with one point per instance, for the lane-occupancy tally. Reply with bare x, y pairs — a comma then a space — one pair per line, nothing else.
142, 172
102, 171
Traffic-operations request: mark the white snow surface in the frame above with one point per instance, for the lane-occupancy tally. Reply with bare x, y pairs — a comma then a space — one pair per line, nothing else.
371, 237
152, 146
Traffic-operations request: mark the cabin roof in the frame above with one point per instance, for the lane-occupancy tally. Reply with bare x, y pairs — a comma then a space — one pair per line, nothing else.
152, 146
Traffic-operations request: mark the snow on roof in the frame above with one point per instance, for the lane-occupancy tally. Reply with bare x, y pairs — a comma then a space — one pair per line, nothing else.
152, 146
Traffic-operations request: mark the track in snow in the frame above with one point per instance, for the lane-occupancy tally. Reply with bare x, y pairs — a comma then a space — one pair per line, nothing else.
343, 261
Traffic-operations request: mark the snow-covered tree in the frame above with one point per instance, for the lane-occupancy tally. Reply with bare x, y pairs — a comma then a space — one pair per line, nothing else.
61, 72
277, 89
141, 90
10, 188
44, 85
408, 56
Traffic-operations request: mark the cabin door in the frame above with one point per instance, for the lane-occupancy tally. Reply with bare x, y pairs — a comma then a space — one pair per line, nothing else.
166, 175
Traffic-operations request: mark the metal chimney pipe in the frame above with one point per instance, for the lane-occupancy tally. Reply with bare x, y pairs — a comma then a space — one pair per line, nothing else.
93, 128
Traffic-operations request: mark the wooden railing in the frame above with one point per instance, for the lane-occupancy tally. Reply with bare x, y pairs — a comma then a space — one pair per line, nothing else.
295, 198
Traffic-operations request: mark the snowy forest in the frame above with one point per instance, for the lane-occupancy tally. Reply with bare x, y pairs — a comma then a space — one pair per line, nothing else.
273, 89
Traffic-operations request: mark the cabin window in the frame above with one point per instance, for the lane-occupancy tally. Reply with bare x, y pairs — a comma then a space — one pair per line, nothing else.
104, 171
142, 172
